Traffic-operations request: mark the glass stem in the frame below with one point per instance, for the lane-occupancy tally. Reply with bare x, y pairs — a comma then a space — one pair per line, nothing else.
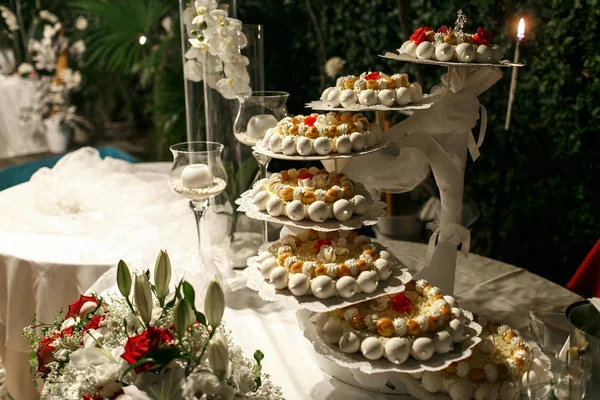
263, 164
199, 208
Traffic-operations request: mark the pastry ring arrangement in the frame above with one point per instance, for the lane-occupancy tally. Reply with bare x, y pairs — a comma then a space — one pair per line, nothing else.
371, 89
498, 365
416, 323
447, 44
322, 134
325, 265
313, 194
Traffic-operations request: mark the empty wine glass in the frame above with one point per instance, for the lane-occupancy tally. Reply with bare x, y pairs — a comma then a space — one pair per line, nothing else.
258, 111
198, 174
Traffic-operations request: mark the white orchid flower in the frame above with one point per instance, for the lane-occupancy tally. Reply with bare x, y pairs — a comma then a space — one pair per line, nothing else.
77, 48
49, 32
48, 16
81, 23
237, 70
193, 71
230, 87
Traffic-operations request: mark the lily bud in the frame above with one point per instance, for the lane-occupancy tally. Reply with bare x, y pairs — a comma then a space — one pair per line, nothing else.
214, 304
123, 279
143, 297
218, 356
183, 316
162, 274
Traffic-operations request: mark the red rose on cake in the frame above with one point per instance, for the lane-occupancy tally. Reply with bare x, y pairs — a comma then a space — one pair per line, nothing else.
137, 347
420, 35
373, 76
443, 29
482, 37
401, 303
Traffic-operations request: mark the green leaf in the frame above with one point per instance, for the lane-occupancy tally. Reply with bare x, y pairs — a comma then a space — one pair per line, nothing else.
259, 356
162, 356
189, 293
200, 318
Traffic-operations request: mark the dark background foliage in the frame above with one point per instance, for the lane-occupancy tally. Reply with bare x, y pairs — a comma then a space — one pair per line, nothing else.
534, 185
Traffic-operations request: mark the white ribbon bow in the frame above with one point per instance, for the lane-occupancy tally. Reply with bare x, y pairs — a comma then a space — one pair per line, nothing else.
454, 232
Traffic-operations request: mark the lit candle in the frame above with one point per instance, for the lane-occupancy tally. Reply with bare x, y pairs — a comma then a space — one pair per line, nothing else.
513, 80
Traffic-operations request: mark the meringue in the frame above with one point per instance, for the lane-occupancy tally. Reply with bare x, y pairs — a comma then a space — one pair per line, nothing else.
318, 211
348, 97
367, 98
384, 269
267, 266
403, 96
322, 287
457, 330
484, 54
332, 331
288, 146
442, 342
299, 284
425, 51
343, 144
386, 97
497, 53
371, 348
358, 141
368, 280
416, 92
444, 52
343, 210
275, 206
295, 210
397, 350
422, 348
349, 342
260, 200
279, 278
465, 53
333, 98
461, 390
326, 93
275, 143
304, 146
323, 146
346, 287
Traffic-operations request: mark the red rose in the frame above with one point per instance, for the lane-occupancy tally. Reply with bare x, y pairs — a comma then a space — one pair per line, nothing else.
45, 352
420, 35
373, 76
137, 347
482, 37
89, 396
67, 331
93, 324
321, 243
75, 308
401, 303
306, 175
444, 29
310, 120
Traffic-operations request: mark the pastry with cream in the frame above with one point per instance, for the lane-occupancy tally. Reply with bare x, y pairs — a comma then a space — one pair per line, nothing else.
452, 44
500, 363
309, 194
371, 89
416, 323
322, 134
325, 264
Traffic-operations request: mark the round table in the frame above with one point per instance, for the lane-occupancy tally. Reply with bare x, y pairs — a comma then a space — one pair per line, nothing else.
499, 291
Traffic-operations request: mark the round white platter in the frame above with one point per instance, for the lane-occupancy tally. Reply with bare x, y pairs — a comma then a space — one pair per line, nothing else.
356, 361
424, 104
407, 58
312, 157
371, 217
255, 281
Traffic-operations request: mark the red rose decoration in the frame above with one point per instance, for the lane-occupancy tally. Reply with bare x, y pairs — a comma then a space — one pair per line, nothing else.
75, 308
401, 303
93, 324
321, 243
310, 120
482, 37
444, 29
420, 35
89, 396
137, 347
306, 175
45, 352
373, 76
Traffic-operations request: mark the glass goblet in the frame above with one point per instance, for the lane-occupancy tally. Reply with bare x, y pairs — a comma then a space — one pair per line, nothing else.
257, 112
198, 174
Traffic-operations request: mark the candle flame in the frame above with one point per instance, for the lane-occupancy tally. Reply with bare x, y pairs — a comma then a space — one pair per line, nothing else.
521, 29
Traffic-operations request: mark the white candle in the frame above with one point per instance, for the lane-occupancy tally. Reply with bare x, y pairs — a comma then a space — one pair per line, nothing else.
197, 176
513, 80
258, 125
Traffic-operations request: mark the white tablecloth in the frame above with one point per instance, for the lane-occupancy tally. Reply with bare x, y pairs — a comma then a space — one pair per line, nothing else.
16, 139
42, 273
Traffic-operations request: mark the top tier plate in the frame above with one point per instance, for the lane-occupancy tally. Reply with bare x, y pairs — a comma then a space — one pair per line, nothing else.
424, 104
407, 58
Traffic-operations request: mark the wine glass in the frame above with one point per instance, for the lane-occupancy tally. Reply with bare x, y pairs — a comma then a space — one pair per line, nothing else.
198, 174
257, 112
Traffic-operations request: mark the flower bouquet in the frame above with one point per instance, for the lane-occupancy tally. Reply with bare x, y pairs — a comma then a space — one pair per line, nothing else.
156, 346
